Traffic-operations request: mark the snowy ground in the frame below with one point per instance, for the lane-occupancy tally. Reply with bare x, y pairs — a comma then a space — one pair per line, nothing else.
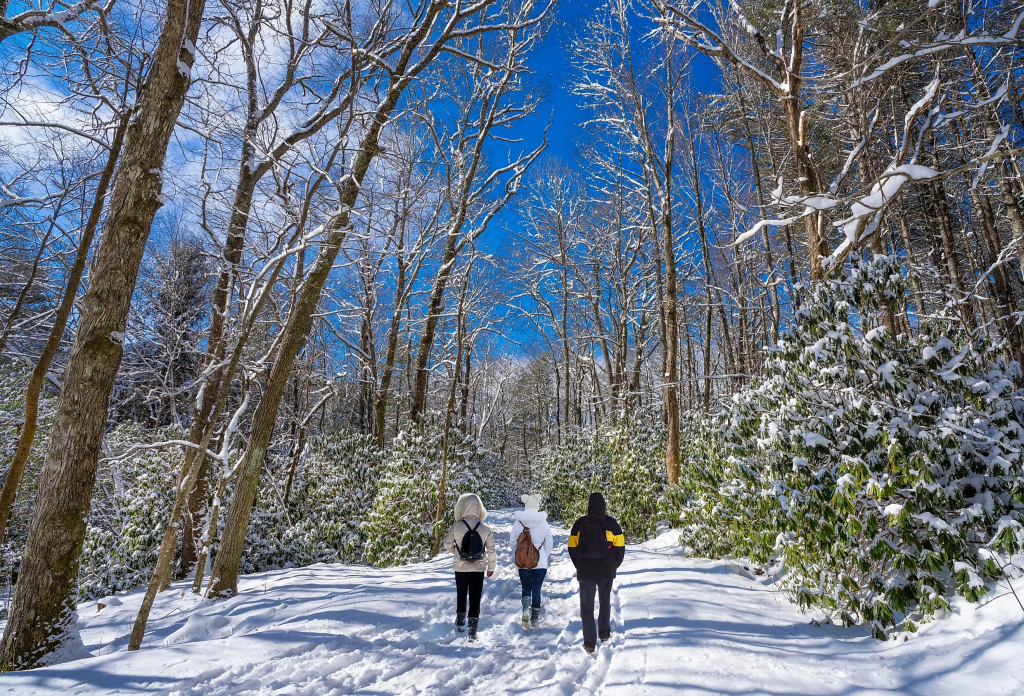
681, 626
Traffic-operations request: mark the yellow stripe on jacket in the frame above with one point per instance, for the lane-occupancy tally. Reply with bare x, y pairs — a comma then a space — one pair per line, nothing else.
616, 539
574, 541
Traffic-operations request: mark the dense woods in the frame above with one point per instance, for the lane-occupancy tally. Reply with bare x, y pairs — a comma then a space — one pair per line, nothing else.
281, 279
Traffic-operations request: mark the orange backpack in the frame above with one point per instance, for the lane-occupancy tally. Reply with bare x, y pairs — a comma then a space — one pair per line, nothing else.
527, 555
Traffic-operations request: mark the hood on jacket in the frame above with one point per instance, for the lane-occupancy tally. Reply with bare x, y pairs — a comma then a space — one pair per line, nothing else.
531, 518
596, 505
470, 505
530, 502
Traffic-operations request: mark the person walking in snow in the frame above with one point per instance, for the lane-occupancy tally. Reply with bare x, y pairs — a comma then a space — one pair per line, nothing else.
596, 547
531, 545
473, 545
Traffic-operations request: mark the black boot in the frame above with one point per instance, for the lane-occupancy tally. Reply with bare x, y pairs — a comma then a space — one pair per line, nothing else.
460, 621
535, 617
472, 628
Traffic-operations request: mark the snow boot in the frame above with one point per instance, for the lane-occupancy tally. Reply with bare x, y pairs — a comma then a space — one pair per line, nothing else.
460, 621
589, 648
526, 611
535, 617
472, 628
605, 637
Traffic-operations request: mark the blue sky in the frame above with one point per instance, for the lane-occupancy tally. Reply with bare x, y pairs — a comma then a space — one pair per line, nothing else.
554, 72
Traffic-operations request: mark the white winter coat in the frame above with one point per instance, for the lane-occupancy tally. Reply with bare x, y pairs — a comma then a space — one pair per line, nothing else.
537, 522
470, 510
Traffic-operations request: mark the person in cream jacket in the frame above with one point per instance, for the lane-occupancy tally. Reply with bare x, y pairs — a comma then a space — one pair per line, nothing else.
469, 574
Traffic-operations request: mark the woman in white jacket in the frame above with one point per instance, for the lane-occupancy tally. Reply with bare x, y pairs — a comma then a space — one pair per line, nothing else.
534, 520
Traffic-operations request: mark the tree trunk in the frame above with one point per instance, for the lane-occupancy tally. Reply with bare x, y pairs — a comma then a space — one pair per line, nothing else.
464, 401
191, 520
952, 263
450, 408
755, 170
67, 303
1005, 305
215, 341
671, 318
224, 577
421, 373
42, 613
381, 403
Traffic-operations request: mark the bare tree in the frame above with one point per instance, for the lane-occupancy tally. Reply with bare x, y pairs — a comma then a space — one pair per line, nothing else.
42, 612
432, 32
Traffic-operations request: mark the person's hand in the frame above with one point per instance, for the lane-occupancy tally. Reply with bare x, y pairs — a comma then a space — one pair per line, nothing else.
490, 573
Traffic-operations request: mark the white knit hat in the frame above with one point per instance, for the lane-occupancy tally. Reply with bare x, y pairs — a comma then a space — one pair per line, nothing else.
530, 502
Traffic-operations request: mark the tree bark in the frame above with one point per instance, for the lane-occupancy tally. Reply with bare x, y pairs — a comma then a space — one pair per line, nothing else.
42, 614
671, 311
421, 373
67, 303
952, 263
224, 577
464, 399
450, 408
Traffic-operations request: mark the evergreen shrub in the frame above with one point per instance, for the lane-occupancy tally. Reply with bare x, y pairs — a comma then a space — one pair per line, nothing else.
131, 503
878, 474
625, 460
400, 528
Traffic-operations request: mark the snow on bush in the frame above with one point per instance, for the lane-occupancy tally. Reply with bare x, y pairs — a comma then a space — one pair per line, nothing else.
879, 473
333, 491
131, 503
501, 484
334, 494
400, 529
625, 460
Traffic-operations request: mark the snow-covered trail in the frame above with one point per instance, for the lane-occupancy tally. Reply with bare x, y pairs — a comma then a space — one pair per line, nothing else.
681, 626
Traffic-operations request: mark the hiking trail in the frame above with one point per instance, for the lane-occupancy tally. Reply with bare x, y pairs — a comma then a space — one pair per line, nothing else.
681, 626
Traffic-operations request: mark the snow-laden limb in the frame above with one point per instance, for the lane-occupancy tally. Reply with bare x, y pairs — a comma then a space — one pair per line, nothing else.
31, 20
762, 224
686, 26
884, 191
155, 446
1012, 37
993, 148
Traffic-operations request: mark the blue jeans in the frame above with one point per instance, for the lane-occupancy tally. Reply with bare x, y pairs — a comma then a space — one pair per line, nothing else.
532, 579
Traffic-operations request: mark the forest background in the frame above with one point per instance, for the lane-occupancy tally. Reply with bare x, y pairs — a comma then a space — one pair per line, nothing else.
281, 279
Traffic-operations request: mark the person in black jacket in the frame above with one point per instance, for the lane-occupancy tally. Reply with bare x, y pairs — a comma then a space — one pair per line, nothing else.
596, 547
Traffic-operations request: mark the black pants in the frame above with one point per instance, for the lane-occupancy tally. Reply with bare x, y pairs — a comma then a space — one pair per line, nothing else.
473, 585
588, 588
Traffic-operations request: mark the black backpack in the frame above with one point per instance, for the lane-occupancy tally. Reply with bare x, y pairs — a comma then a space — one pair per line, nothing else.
472, 546
593, 541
